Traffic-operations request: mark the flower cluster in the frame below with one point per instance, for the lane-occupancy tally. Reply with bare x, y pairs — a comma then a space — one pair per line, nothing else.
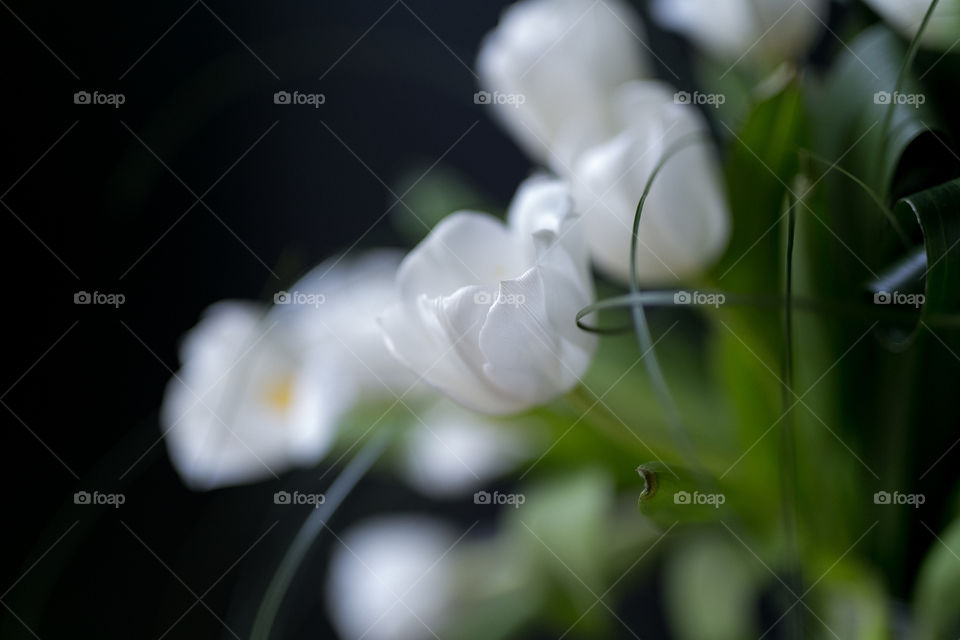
478, 322
593, 115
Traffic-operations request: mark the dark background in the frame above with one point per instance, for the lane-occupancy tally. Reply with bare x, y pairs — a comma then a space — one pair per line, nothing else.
98, 212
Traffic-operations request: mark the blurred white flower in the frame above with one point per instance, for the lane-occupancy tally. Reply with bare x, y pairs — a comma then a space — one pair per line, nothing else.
391, 579
770, 31
550, 67
261, 390
685, 222
456, 450
943, 30
245, 403
487, 310
352, 292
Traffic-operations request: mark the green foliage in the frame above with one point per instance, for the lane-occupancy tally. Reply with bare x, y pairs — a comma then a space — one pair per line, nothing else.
873, 190
936, 211
430, 193
711, 589
938, 583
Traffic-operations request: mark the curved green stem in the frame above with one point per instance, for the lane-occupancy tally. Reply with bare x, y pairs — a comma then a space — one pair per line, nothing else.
902, 76
887, 213
312, 527
666, 298
608, 423
642, 328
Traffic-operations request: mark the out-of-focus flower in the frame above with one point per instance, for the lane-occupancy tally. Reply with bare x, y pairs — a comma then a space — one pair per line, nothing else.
685, 222
456, 450
487, 310
391, 579
246, 403
549, 69
942, 31
335, 307
261, 390
771, 31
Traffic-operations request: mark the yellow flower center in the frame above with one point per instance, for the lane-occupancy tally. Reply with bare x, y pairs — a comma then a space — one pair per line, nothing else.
279, 395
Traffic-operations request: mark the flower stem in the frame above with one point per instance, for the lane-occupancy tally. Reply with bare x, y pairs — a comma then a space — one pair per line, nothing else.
607, 422
312, 527
642, 328
877, 200
833, 308
901, 78
788, 448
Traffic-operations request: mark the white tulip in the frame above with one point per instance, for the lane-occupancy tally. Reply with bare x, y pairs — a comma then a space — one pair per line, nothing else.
758, 30
262, 390
245, 403
352, 293
943, 30
551, 66
685, 222
390, 579
456, 451
487, 310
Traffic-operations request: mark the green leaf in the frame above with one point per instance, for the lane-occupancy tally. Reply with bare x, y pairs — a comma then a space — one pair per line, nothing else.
935, 603
851, 601
561, 522
560, 532
882, 155
429, 194
762, 161
937, 211
495, 594
671, 495
711, 589
886, 155
853, 105
747, 341
932, 268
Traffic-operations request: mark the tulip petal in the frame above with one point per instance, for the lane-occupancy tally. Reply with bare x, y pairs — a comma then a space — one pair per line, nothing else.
564, 58
392, 579
246, 404
465, 248
530, 340
260, 391
502, 342
685, 222
771, 31
437, 338
907, 15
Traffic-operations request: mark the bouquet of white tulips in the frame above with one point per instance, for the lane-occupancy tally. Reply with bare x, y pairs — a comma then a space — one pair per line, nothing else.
697, 381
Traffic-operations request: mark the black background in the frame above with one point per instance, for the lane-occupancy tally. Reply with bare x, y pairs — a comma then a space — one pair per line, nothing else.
98, 212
